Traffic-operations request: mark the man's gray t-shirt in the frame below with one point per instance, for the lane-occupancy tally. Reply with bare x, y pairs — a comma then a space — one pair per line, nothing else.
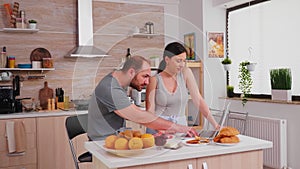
107, 97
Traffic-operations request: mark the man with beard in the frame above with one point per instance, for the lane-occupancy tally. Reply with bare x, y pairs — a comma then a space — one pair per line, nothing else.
109, 105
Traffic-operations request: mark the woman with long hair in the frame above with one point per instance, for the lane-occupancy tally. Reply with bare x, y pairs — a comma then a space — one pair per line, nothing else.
168, 91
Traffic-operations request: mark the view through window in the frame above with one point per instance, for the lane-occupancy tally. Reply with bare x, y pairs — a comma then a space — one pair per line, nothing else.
268, 34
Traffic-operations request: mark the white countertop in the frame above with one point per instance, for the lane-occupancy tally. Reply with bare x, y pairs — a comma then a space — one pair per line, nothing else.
41, 114
164, 155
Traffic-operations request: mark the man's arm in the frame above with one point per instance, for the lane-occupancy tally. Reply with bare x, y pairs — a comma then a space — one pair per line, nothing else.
135, 114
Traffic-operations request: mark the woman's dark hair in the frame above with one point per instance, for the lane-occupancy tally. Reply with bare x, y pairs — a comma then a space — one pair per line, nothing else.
172, 49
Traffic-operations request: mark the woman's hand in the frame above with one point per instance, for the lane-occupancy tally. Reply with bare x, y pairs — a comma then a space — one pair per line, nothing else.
192, 132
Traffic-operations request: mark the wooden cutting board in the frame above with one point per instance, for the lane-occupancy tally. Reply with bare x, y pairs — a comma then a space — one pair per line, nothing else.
45, 94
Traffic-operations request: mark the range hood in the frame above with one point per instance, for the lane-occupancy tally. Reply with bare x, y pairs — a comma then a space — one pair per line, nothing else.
86, 46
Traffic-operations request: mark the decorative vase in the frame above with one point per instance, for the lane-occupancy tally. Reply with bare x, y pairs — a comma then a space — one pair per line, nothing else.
226, 67
251, 66
32, 25
284, 95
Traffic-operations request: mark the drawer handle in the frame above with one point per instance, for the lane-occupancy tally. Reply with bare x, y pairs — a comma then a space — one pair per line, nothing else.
15, 154
204, 165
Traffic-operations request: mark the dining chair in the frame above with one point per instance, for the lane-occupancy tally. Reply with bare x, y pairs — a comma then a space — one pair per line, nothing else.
75, 126
238, 120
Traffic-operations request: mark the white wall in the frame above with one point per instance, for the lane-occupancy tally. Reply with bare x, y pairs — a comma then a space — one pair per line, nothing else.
213, 19
215, 76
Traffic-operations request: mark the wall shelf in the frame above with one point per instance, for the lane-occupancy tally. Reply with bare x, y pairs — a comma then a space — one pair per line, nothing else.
18, 30
144, 35
27, 69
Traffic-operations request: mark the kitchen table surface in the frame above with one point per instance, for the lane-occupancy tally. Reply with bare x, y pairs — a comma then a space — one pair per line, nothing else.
166, 155
44, 113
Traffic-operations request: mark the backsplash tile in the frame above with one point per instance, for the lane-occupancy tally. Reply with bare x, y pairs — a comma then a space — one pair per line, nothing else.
58, 26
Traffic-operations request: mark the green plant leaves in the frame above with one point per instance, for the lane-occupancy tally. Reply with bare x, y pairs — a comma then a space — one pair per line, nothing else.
281, 79
245, 83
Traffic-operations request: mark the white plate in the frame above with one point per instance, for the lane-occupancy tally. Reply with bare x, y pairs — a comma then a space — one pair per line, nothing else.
193, 145
226, 144
125, 152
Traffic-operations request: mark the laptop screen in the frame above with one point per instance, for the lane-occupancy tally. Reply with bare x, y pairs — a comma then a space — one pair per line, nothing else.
210, 134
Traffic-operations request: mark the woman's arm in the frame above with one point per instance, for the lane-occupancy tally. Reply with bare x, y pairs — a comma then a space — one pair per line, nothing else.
150, 94
135, 114
197, 99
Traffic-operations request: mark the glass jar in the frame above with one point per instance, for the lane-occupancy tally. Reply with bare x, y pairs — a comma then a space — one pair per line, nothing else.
47, 63
11, 61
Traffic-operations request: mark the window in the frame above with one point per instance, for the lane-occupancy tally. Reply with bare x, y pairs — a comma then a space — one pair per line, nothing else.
268, 34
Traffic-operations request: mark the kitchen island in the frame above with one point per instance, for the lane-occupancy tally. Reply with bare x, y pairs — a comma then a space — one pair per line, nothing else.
247, 154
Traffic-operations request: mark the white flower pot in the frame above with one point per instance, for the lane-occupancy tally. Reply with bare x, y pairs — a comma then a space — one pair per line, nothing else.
284, 95
251, 66
32, 25
226, 67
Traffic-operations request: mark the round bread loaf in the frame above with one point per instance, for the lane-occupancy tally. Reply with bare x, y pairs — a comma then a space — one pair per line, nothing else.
121, 144
135, 143
110, 141
148, 140
229, 131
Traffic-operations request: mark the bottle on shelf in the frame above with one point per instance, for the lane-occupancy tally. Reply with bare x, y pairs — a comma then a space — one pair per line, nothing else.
128, 55
3, 58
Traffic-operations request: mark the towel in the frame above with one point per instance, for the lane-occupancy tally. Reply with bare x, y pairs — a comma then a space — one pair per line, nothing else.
10, 134
16, 136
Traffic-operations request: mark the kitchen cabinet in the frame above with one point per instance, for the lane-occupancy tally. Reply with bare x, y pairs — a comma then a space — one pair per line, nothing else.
27, 160
181, 164
244, 160
53, 146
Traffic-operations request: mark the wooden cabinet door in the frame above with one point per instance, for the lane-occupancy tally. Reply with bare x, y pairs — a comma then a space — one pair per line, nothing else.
244, 160
52, 144
30, 156
181, 164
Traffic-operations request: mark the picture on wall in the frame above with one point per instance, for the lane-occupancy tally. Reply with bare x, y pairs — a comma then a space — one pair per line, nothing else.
190, 44
215, 44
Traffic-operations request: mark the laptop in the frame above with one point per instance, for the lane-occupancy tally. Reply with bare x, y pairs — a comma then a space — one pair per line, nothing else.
210, 134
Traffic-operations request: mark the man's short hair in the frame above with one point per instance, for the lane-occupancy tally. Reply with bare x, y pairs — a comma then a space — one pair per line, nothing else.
135, 62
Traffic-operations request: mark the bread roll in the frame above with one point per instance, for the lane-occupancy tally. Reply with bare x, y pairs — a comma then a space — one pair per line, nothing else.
110, 141
121, 144
135, 143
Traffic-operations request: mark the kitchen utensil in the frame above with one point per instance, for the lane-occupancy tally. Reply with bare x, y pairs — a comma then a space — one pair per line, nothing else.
149, 27
39, 53
44, 94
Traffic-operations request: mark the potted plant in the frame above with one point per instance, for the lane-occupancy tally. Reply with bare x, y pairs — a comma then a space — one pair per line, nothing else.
230, 91
250, 65
245, 83
281, 84
32, 24
226, 63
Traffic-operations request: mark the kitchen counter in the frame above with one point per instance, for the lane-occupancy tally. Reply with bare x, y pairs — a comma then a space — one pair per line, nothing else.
103, 159
41, 114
